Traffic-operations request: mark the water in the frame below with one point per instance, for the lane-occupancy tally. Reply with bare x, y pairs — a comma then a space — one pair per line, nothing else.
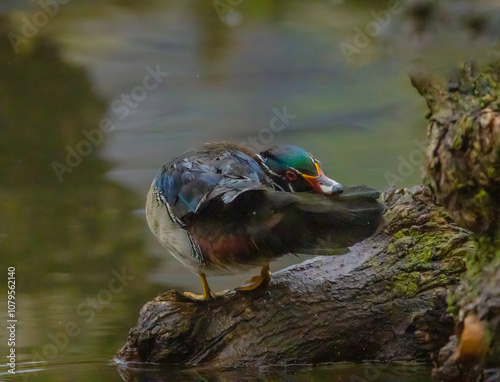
71, 223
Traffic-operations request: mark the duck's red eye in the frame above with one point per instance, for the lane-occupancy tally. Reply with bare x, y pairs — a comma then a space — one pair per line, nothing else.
290, 176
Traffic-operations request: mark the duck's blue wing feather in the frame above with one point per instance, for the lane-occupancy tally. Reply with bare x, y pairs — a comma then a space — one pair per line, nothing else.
191, 181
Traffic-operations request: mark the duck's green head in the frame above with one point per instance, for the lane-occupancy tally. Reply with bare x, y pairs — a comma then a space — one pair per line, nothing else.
296, 170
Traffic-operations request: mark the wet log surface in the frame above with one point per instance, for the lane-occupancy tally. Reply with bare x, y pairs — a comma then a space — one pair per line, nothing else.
384, 300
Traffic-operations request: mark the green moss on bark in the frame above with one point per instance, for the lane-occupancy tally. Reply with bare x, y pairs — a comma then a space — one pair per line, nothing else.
406, 285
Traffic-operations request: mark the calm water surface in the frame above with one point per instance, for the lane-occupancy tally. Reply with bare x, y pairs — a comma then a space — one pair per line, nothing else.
85, 261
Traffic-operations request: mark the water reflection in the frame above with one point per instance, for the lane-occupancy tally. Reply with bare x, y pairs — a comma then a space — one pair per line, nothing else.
341, 372
68, 240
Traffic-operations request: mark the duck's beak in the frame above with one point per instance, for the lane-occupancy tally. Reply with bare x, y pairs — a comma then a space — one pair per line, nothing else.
323, 184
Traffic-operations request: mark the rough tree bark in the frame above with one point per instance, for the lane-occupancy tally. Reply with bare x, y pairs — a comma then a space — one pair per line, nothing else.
463, 171
385, 300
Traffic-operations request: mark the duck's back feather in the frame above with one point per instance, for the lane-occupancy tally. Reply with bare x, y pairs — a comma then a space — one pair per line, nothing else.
214, 172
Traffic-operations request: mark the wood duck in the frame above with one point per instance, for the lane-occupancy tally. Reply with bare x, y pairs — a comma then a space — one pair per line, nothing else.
221, 209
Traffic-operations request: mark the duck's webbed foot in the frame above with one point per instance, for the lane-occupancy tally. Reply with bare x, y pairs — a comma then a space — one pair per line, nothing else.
207, 293
257, 282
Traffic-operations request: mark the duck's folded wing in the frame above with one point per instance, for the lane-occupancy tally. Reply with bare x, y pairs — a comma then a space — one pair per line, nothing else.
311, 223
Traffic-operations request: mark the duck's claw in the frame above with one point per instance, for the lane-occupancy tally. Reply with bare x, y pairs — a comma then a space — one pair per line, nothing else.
200, 297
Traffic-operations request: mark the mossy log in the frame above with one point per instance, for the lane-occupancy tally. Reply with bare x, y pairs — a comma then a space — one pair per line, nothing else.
384, 300
463, 172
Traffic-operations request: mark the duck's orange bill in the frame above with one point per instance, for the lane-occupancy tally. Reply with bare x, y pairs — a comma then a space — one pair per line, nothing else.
323, 184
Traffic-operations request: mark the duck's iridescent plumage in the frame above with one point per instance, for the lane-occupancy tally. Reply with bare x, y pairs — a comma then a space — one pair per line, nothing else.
191, 181
222, 208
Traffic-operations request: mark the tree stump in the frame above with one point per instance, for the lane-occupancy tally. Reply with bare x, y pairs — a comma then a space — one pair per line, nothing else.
463, 171
384, 300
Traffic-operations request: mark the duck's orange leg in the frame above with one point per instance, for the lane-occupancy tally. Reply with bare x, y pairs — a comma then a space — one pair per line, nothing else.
207, 293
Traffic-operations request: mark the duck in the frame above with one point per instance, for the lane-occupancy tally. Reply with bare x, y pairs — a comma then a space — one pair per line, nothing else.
222, 208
